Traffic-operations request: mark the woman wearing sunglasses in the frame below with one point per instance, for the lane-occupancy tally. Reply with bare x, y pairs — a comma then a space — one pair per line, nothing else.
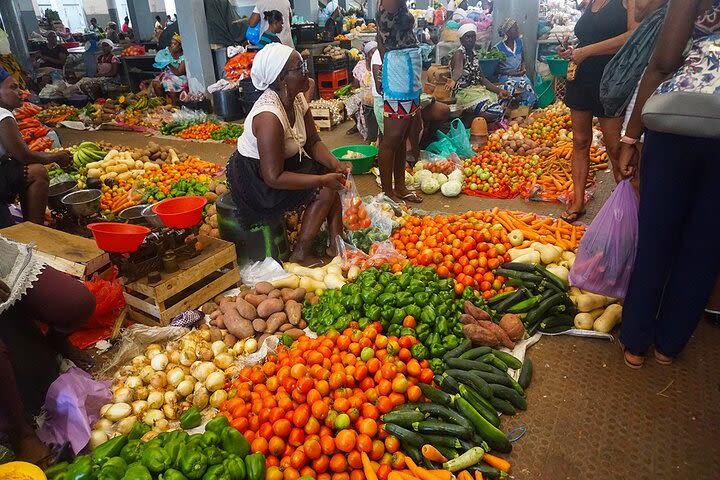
268, 177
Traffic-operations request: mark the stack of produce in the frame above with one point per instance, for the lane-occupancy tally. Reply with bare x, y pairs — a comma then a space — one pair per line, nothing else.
227, 133
498, 175
414, 302
336, 107
31, 127
133, 51
595, 312
87, 153
314, 408
54, 114
238, 67
221, 453
444, 175
145, 119
533, 227
464, 247
102, 111
200, 131
177, 125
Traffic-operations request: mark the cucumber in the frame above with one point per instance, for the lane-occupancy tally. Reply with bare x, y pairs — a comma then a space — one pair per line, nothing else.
449, 384
500, 296
430, 465
525, 276
519, 267
556, 321
556, 329
500, 379
525, 373
442, 441
510, 360
497, 371
404, 435
535, 316
403, 418
442, 428
483, 407
500, 391
413, 452
444, 413
551, 277
487, 358
464, 346
519, 296
516, 282
474, 353
467, 364
499, 364
448, 453
436, 395
503, 406
476, 441
516, 386
494, 437
467, 459
474, 379
487, 471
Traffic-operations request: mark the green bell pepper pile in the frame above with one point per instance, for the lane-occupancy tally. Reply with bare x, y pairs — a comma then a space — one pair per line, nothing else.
221, 453
381, 296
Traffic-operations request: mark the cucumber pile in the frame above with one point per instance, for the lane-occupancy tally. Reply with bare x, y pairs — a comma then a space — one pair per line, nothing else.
541, 298
462, 414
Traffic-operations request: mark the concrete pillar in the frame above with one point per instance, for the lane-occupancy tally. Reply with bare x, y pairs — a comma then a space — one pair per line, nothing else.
28, 18
371, 12
11, 19
143, 22
343, 4
422, 4
196, 44
308, 9
526, 13
114, 13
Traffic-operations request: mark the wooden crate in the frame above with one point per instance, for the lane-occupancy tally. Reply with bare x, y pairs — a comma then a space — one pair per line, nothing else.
324, 119
199, 280
74, 255
518, 112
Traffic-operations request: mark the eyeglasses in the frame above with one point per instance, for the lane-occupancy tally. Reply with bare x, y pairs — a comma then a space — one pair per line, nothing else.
303, 68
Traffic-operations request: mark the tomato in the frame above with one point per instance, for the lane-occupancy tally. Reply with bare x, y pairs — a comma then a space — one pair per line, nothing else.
345, 440
282, 428
276, 446
312, 448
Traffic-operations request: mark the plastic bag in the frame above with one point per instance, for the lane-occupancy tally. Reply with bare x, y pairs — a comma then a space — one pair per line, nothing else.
440, 164
379, 254
606, 254
355, 216
442, 147
109, 300
252, 34
460, 138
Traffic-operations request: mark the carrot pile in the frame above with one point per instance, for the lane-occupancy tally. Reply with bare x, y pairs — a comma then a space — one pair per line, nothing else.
26, 111
540, 229
238, 67
201, 131
32, 130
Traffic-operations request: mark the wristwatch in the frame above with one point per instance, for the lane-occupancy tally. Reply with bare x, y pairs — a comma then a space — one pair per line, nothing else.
629, 140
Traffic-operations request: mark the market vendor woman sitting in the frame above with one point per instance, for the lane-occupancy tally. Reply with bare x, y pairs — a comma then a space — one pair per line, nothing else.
173, 79
268, 177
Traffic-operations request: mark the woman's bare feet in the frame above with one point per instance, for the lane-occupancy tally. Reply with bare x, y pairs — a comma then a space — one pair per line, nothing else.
302, 257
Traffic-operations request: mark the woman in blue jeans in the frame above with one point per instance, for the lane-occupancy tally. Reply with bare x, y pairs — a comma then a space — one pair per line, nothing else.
672, 278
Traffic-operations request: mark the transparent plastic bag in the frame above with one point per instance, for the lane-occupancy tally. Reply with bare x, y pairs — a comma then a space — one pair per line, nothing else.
355, 215
440, 164
606, 254
379, 254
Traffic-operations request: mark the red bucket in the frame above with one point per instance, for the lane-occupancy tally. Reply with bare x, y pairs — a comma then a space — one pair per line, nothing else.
118, 237
180, 212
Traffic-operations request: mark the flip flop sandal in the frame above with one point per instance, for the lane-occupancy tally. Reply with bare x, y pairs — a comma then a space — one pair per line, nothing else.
411, 197
574, 215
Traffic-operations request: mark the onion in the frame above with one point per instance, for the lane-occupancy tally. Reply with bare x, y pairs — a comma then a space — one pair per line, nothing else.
185, 388
105, 408
133, 382
162, 424
175, 376
232, 371
104, 425
201, 398
174, 356
141, 393
155, 400
152, 350
187, 357
147, 373
217, 398
239, 347
215, 381
149, 436
170, 397
159, 362
118, 411
202, 371
158, 381
140, 361
223, 360
139, 407
126, 424
218, 347
127, 370
251, 345
97, 437
205, 354
152, 416
204, 334
169, 411
123, 395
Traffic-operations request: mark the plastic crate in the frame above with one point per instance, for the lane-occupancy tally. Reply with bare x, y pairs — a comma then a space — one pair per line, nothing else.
304, 33
346, 44
332, 80
325, 63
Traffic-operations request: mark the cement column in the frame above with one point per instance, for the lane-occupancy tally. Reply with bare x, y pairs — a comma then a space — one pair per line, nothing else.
422, 4
143, 23
343, 4
27, 16
371, 10
114, 13
196, 44
11, 19
308, 9
526, 12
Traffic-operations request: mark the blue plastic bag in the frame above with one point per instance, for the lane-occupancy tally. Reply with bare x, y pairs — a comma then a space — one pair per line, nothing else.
253, 34
605, 258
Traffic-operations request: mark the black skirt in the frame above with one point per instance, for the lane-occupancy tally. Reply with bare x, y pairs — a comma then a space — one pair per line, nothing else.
13, 175
256, 202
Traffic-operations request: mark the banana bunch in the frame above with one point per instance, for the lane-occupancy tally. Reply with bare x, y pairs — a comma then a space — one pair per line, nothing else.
86, 152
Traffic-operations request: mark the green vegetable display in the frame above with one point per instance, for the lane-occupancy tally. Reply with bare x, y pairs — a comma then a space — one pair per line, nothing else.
228, 133
191, 418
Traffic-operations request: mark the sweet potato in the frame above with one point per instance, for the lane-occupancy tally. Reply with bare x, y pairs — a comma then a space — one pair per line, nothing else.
269, 306
297, 294
263, 288
259, 325
275, 294
293, 310
215, 334
234, 322
275, 321
295, 333
245, 308
221, 297
285, 327
502, 337
302, 324
215, 314
476, 312
262, 338
255, 300
218, 321
480, 335
209, 308
467, 319
230, 340
513, 326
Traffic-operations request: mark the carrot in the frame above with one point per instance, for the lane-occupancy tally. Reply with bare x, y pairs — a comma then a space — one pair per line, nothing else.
464, 475
367, 467
423, 474
497, 462
573, 236
401, 475
478, 475
122, 207
432, 454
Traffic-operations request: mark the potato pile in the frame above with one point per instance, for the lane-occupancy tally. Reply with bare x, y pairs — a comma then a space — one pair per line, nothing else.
153, 152
336, 53
209, 226
262, 311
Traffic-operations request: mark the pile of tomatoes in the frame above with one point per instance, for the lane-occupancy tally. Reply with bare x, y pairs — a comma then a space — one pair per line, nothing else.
498, 175
464, 247
201, 131
355, 216
314, 407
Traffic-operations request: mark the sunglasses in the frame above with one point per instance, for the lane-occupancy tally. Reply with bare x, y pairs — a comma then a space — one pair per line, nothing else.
303, 68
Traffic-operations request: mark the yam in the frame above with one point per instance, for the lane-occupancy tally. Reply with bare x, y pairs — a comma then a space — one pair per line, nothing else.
285, 327
215, 334
476, 312
275, 294
293, 310
245, 308
221, 188
211, 196
236, 324
215, 233
212, 185
297, 294
263, 288
302, 324
255, 300
262, 338
269, 306
259, 325
275, 321
295, 333
215, 314
218, 321
221, 297
212, 220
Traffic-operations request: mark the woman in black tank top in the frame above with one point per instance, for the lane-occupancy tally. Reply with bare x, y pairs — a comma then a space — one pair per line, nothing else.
602, 29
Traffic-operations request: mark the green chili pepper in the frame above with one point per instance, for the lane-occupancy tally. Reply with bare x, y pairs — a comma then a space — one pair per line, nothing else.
81, 469
419, 351
234, 442
255, 466
137, 471
155, 459
111, 448
191, 418
193, 464
235, 468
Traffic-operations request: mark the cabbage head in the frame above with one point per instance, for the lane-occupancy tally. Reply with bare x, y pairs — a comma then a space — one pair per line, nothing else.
451, 188
429, 185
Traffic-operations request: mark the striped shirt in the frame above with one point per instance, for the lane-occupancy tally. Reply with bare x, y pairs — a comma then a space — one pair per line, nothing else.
268, 37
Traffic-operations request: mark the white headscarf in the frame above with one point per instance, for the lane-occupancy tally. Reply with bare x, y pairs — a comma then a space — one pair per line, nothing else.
268, 64
465, 28
369, 46
108, 42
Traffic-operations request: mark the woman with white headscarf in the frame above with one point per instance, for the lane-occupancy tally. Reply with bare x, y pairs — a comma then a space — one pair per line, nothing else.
475, 93
512, 69
268, 177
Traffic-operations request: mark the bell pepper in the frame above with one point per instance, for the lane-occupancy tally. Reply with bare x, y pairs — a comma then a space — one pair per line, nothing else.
443, 310
403, 280
175, 449
155, 442
457, 328
172, 474
235, 468
193, 464
234, 442
132, 451
214, 455
372, 312
441, 327
81, 469
217, 424
385, 279
435, 300
428, 316
111, 448
447, 284
419, 351
137, 471
394, 330
405, 331
450, 342
177, 435
416, 286
56, 470
368, 296
138, 430
437, 349
403, 299
423, 331
286, 340
349, 289
398, 316
364, 322
113, 469
190, 418
386, 299
337, 310
255, 466
367, 282
392, 288
216, 472
468, 294
342, 322
356, 301
437, 365
387, 312
155, 459
413, 310
212, 438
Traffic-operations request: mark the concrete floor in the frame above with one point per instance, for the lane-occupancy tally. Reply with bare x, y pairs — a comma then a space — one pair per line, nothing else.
589, 416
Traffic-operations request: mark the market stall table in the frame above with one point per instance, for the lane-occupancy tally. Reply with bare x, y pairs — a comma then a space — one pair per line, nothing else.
138, 68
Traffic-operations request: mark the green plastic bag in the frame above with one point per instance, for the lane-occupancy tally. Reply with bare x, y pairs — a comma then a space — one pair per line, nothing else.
442, 147
460, 138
